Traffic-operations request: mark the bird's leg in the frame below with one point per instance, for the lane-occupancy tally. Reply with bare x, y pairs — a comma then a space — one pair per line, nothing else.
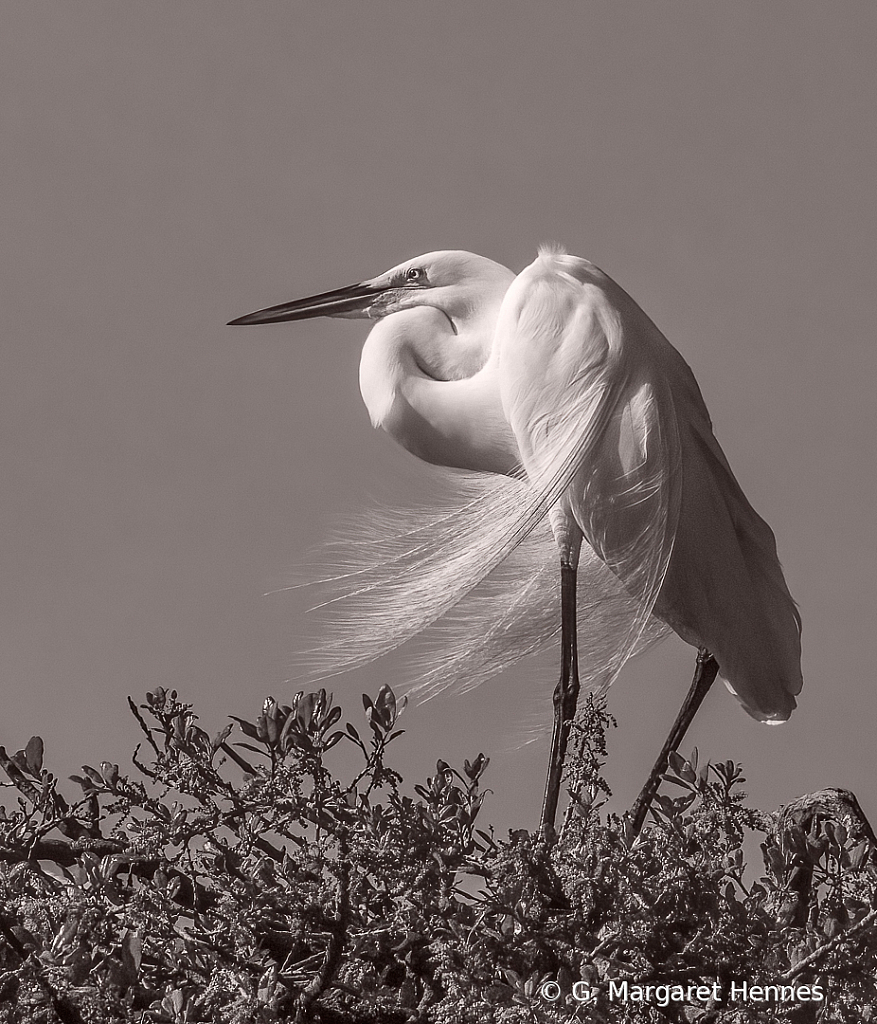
704, 677
566, 693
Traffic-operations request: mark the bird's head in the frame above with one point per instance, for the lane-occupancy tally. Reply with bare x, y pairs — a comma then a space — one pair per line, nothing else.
456, 282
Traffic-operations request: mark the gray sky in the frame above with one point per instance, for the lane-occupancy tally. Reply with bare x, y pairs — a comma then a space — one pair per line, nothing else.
169, 166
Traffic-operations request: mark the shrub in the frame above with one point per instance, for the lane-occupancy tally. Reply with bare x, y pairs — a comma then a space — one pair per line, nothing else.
239, 879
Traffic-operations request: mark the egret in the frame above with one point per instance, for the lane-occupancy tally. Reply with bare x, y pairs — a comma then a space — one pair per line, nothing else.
557, 387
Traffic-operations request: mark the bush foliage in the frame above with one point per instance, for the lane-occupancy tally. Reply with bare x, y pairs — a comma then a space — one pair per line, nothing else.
237, 878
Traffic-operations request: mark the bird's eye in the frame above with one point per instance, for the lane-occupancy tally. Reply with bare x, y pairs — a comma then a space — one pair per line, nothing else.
413, 274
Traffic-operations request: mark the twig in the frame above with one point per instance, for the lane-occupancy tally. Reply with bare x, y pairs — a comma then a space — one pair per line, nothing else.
135, 711
337, 938
65, 822
831, 945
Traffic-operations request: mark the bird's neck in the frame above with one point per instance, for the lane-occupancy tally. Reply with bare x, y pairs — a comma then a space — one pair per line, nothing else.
434, 391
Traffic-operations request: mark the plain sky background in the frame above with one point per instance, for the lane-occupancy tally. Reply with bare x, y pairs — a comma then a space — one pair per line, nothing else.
169, 166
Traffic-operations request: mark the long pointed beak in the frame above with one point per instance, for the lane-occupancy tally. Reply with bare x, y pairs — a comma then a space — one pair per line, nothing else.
350, 301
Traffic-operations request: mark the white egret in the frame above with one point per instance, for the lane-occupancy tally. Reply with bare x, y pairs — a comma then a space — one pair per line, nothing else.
559, 386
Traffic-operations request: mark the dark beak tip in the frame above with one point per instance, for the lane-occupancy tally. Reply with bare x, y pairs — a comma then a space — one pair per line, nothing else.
335, 303
249, 320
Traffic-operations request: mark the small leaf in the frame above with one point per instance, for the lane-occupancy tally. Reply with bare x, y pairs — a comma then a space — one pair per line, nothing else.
95, 776
33, 754
132, 946
221, 737
305, 711
247, 728
860, 855
386, 701
248, 746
